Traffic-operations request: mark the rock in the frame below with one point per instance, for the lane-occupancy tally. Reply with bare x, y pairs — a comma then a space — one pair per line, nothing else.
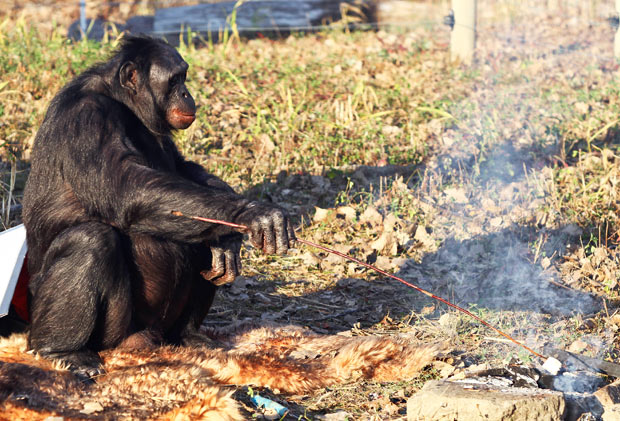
610, 394
609, 397
579, 405
611, 414
447, 400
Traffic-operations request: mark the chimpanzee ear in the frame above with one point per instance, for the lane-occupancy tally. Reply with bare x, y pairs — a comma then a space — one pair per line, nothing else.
129, 76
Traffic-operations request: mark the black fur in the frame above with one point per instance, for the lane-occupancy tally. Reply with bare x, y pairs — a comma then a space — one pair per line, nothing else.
108, 259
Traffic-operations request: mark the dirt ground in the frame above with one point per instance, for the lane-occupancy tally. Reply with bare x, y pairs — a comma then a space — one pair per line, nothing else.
509, 210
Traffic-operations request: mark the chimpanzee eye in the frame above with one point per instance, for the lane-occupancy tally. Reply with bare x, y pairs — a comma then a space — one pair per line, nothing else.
176, 79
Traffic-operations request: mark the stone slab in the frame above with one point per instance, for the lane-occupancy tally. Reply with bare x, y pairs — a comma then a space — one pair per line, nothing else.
442, 400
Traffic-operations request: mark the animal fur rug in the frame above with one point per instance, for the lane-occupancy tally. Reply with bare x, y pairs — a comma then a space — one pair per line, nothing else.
176, 383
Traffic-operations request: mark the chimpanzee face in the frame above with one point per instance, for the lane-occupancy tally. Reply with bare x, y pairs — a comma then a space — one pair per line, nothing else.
168, 79
158, 92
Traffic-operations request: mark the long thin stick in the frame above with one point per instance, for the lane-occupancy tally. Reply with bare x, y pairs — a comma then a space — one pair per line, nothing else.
376, 269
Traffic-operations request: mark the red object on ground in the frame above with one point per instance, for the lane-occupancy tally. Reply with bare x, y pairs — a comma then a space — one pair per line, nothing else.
20, 296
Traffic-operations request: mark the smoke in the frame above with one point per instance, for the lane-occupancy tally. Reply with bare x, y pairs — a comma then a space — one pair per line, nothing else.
496, 271
495, 250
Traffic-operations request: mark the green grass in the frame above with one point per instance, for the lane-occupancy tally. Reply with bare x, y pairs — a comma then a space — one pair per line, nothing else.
275, 114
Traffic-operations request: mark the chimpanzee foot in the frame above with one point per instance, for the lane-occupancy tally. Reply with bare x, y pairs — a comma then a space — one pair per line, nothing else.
198, 340
84, 364
142, 340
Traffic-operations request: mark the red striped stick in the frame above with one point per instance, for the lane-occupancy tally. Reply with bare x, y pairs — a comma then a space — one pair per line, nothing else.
376, 269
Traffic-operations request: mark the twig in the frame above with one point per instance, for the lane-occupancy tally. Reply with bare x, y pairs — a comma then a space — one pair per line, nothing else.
308, 300
333, 316
494, 339
243, 228
557, 284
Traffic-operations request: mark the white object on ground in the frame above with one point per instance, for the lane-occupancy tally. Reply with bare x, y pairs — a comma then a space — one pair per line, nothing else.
12, 251
552, 365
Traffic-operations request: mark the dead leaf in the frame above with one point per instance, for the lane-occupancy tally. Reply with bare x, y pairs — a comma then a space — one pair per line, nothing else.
386, 244
577, 346
383, 262
389, 222
340, 237
264, 144
402, 237
545, 262
335, 259
335, 416
427, 310
371, 216
335, 263
423, 237
445, 369
390, 408
614, 321
398, 185
91, 408
320, 214
458, 195
582, 107
348, 212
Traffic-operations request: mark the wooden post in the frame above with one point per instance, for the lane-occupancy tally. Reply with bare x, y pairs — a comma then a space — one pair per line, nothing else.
617, 37
463, 40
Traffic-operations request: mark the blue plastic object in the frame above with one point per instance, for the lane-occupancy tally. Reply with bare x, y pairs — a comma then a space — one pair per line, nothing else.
260, 401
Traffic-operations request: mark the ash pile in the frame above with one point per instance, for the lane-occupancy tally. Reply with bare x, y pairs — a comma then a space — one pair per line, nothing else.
581, 390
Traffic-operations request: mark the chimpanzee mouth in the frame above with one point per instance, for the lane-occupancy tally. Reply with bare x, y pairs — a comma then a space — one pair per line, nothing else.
185, 119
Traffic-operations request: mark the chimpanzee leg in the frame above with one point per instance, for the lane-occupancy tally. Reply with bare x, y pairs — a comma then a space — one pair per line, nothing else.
187, 328
176, 295
170, 295
81, 299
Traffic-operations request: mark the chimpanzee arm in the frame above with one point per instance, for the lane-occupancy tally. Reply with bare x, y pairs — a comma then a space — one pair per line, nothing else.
106, 162
112, 180
252, 215
155, 194
225, 250
197, 174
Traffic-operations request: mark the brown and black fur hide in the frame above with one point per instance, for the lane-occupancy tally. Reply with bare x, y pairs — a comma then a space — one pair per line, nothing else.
177, 383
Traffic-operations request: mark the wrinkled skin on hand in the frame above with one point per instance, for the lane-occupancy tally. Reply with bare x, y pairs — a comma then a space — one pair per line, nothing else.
226, 260
269, 227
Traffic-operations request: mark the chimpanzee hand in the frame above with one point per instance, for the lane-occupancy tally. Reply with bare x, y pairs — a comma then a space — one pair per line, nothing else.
269, 227
226, 262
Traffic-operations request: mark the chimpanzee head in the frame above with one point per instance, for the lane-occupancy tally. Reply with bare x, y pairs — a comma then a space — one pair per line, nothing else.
152, 75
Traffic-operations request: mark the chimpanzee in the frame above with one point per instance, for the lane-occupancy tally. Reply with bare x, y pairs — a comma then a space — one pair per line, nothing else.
110, 264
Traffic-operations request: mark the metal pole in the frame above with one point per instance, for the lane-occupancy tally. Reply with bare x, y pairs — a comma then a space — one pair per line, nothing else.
617, 37
83, 17
463, 40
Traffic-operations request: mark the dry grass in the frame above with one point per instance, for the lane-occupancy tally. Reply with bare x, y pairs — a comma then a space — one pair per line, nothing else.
475, 183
